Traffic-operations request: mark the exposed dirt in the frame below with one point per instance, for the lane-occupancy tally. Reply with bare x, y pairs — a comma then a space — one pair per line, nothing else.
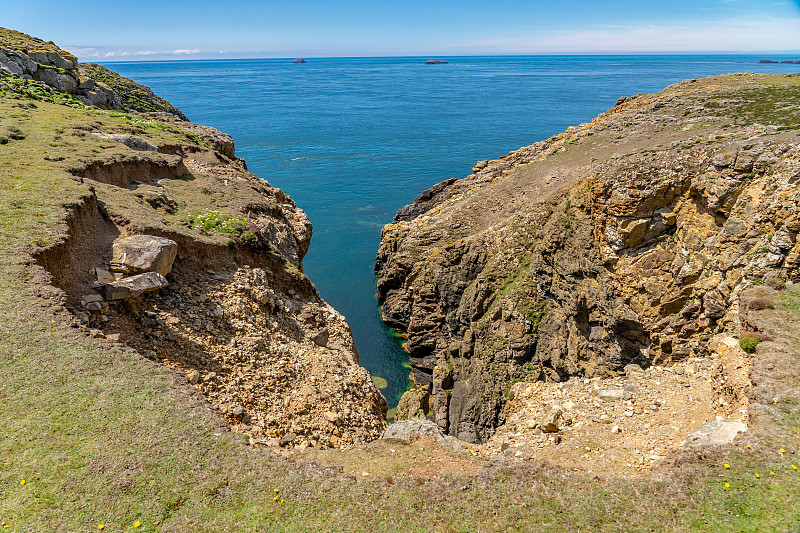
239, 319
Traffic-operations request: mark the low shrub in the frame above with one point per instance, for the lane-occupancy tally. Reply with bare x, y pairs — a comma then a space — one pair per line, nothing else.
761, 303
749, 340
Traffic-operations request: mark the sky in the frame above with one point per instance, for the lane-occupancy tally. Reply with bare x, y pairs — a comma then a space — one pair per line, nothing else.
205, 29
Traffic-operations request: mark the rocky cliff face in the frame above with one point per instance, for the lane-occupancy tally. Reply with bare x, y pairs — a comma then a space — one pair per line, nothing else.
167, 245
624, 240
58, 71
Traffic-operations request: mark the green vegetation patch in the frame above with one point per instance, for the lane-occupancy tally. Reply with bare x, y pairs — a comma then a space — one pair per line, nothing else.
137, 97
748, 341
16, 40
769, 105
17, 87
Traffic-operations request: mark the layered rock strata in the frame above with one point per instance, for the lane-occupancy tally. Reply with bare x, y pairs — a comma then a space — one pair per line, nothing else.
624, 240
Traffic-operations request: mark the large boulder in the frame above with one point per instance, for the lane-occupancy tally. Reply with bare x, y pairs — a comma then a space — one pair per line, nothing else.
134, 286
134, 143
409, 430
144, 253
715, 433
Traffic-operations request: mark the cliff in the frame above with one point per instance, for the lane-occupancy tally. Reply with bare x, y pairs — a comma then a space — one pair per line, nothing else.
216, 290
24, 58
624, 240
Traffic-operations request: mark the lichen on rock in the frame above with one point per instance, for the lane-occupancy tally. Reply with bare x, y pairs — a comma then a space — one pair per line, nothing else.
624, 240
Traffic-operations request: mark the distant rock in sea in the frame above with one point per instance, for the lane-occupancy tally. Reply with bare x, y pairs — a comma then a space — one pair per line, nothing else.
768, 61
791, 61
435, 62
299, 60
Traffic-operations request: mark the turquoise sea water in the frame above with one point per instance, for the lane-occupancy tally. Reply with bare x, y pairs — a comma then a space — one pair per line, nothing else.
354, 139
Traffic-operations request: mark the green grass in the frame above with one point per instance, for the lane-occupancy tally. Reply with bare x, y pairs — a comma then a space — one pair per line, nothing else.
15, 40
14, 86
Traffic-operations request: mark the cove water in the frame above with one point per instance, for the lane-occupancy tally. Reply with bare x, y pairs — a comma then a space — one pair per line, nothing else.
354, 139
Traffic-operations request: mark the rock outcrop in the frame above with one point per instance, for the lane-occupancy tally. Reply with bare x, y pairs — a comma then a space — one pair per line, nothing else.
624, 240
30, 58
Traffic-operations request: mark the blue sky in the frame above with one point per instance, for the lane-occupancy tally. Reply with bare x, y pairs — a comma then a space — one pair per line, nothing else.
146, 29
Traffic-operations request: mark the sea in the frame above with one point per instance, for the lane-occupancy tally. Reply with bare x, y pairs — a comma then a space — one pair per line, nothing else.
354, 139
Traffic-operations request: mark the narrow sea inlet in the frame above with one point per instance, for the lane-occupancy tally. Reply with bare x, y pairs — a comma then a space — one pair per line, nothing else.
354, 139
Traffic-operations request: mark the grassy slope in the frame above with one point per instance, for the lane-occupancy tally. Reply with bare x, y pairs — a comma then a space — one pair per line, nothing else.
103, 436
16, 40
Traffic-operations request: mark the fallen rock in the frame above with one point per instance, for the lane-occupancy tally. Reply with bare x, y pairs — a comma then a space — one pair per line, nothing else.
550, 422
134, 143
715, 433
633, 369
287, 439
321, 338
416, 427
408, 430
134, 286
145, 253
104, 276
611, 395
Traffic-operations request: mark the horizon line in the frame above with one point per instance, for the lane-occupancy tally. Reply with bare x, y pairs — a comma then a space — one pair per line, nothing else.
537, 54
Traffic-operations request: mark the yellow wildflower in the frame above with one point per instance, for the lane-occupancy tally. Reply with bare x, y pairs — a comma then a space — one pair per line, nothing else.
794, 467
726, 465
21, 481
758, 475
137, 524
772, 473
782, 450
276, 490
275, 499
727, 485
100, 526
281, 502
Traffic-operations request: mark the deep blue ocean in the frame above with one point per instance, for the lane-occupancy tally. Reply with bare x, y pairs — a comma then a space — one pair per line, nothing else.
354, 139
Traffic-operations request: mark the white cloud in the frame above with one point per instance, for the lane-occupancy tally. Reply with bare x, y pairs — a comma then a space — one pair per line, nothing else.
725, 35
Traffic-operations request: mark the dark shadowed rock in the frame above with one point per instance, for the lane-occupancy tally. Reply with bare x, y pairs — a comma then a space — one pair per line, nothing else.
435, 62
134, 286
299, 60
